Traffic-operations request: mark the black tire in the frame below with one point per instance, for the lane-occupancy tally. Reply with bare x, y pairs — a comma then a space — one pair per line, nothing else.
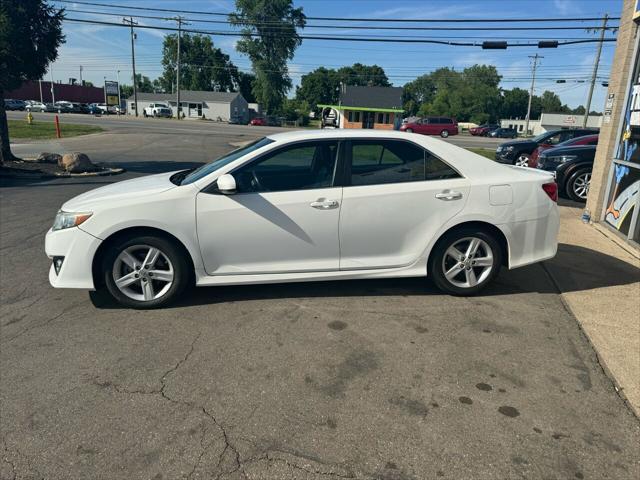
444, 133
181, 270
573, 184
144, 114
436, 265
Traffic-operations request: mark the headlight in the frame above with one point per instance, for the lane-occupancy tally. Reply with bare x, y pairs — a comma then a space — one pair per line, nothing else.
509, 148
499, 149
67, 220
561, 158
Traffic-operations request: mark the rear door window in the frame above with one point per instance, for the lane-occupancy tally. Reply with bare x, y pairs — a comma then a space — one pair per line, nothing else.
378, 162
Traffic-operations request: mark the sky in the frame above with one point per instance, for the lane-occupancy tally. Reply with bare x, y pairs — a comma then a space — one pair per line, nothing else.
103, 50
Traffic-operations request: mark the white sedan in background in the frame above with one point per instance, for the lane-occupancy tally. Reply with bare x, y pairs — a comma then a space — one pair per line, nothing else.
308, 205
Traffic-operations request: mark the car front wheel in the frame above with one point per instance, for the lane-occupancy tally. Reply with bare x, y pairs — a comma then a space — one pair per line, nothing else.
465, 261
409, 130
145, 272
444, 133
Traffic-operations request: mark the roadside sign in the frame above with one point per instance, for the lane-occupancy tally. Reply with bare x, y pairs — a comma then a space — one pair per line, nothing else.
609, 103
111, 92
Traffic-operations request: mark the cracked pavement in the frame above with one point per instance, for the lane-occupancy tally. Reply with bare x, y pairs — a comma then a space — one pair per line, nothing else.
384, 379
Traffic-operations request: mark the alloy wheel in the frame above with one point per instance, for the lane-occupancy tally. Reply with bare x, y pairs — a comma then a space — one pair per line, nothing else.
522, 161
143, 272
581, 185
444, 134
468, 262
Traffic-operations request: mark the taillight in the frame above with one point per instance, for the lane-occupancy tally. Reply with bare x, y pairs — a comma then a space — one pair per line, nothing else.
551, 189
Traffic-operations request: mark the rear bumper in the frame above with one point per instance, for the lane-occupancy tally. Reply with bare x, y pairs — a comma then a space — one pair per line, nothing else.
78, 249
532, 241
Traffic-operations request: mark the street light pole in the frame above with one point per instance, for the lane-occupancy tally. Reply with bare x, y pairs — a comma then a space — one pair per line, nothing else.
595, 71
533, 83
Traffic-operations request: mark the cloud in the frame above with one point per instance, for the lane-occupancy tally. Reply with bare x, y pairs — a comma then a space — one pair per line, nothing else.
566, 7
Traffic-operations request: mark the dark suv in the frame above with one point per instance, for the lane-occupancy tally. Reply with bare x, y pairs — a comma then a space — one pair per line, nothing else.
518, 152
572, 168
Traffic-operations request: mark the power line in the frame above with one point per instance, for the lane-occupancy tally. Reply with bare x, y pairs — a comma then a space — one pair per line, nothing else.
343, 38
347, 19
357, 27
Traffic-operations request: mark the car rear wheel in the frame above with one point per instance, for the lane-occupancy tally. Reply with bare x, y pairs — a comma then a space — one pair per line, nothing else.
578, 185
522, 160
444, 133
145, 272
465, 261
409, 130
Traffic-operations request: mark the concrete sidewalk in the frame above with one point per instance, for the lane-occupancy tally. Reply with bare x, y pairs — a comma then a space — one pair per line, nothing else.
599, 278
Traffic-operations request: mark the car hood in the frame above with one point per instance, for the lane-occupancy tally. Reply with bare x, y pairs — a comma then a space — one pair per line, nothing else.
575, 150
128, 189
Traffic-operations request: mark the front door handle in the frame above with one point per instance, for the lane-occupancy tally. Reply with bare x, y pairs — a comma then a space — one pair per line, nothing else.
322, 204
448, 195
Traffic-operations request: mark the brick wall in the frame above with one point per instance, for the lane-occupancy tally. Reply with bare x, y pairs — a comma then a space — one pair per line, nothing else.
618, 82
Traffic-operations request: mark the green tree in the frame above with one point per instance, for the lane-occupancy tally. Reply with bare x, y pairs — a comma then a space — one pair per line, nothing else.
269, 39
579, 110
295, 110
319, 87
514, 103
363, 75
30, 34
551, 103
202, 66
417, 92
245, 86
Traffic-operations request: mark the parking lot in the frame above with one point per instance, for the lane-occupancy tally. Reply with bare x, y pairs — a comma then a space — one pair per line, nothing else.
381, 379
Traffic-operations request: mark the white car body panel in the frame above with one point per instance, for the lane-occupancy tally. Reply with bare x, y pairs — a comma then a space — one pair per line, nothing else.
273, 232
377, 231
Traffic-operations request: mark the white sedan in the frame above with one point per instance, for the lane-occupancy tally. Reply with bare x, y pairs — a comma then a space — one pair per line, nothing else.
308, 205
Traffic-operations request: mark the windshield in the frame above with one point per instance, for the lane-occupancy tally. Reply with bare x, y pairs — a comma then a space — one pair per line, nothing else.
208, 168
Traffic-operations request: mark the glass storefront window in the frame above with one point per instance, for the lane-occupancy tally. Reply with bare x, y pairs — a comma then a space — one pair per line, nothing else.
621, 209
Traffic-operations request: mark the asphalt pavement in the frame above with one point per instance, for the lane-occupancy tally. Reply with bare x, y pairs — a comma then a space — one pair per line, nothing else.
380, 379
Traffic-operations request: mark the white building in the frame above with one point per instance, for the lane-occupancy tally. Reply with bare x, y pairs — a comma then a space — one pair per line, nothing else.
551, 121
221, 106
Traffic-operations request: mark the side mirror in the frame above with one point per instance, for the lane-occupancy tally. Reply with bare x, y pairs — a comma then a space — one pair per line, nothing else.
226, 184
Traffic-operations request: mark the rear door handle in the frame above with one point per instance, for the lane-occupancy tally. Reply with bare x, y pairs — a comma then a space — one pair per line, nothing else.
448, 195
322, 204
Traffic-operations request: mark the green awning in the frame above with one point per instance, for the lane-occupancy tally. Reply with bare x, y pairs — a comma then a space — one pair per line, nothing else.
363, 109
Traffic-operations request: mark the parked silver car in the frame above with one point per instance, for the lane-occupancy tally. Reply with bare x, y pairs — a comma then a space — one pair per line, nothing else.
36, 106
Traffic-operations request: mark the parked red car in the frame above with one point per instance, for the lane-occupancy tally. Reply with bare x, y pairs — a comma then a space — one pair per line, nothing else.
484, 129
443, 126
572, 142
261, 121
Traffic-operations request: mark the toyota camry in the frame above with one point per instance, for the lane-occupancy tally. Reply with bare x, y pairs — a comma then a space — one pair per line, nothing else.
308, 205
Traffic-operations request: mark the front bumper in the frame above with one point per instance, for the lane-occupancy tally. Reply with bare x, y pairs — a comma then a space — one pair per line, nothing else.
78, 249
505, 157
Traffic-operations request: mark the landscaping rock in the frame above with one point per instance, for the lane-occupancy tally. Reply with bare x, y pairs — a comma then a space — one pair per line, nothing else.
46, 157
76, 163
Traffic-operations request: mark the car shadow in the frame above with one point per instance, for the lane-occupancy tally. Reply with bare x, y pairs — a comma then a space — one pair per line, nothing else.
576, 264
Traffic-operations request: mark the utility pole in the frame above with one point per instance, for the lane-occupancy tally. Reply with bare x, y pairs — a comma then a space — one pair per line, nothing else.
40, 84
533, 83
180, 21
129, 21
81, 75
595, 70
119, 99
